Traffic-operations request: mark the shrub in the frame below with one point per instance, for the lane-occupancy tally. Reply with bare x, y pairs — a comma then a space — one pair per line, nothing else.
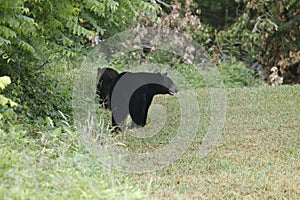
236, 74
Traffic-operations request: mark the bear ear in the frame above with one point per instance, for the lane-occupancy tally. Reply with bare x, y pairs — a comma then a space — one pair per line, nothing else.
165, 74
101, 70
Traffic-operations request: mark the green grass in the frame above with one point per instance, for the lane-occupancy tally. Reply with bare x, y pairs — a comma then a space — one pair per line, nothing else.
56, 165
257, 157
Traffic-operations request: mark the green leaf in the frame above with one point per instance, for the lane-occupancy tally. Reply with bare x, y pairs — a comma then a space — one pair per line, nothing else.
4, 81
3, 100
4, 41
12, 103
7, 32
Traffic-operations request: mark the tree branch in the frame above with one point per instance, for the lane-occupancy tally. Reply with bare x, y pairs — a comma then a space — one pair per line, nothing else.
164, 4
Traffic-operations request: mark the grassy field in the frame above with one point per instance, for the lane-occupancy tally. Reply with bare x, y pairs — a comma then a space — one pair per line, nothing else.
257, 157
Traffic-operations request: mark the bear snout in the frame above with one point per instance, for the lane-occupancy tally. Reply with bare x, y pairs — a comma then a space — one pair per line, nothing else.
173, 90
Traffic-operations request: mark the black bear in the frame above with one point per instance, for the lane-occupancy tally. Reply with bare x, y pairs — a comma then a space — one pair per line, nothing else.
132, 93
106, 77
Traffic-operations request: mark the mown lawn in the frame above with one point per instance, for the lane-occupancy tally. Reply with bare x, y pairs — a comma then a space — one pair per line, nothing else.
257, 157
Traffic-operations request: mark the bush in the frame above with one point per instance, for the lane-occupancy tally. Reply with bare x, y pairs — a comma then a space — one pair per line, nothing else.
6, 104
42, 93
236, 74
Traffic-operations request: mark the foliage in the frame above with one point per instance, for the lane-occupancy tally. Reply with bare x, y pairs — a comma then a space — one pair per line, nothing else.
4, 81
220, 14
37, 26
269, 32
235, 74
253, 31
6, 104
181, 18
215, 13
53, 94
38, 38
161, 60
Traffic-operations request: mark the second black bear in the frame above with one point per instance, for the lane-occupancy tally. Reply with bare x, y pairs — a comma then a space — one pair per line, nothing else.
132, 93
106, 77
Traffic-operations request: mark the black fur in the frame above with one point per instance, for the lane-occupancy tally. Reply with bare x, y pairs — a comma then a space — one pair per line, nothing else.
106, 77
132, 94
